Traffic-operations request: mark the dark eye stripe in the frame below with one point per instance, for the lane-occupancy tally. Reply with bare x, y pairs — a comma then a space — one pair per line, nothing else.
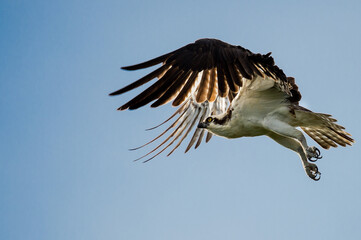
225, 119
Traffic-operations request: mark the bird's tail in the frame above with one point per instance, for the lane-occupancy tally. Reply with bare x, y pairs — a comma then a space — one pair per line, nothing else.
323, 129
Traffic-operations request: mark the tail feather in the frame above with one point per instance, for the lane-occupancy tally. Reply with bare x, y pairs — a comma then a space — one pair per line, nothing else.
322, 140
323, 129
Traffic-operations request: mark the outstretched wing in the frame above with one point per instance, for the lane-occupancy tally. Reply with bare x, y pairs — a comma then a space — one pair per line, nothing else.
201, 78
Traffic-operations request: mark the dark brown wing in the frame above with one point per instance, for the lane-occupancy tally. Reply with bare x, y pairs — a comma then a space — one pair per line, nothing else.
205, 69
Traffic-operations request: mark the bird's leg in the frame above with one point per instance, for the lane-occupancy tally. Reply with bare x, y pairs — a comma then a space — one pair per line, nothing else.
310, 168
282, 128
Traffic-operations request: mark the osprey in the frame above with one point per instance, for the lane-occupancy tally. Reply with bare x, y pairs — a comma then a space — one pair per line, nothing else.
231, 92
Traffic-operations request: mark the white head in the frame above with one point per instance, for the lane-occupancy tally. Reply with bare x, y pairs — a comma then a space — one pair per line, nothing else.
218, 124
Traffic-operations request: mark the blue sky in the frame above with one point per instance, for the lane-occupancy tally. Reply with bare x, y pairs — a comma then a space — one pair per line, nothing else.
66, 173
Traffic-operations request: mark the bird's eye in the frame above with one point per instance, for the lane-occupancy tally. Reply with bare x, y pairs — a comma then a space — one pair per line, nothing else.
209, 119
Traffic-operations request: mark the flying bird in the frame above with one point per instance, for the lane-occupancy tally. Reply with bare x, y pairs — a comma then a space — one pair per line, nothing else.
229, 91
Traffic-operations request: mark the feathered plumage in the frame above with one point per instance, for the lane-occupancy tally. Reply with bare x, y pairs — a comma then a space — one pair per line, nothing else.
231, 92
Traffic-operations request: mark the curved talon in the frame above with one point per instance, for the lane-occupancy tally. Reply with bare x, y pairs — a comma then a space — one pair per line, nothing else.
313, 173
316, 155
317, 151
314, 159
317, 177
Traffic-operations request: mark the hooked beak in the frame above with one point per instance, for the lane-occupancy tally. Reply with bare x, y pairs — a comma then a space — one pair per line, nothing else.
202, 125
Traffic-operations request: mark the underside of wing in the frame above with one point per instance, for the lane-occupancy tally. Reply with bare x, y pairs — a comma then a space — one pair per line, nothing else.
182, 121
201, 78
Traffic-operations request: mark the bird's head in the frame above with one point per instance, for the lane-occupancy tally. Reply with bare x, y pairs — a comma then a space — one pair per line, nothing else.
216, 124
207, 123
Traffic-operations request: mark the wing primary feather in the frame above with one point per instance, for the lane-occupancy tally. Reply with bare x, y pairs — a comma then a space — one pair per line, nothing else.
213, 86
172, 90
171, 126
230, 96
209, 136
222, 85
151, 93
199, 141
187, 132
226, 63
259, 68
241, 70
149, 63
230, 82
185, 90
255, 70
181, 109
246, 67
164, 84
152, 128
141, 81
203, 87
197, 131
234, 75
175, 132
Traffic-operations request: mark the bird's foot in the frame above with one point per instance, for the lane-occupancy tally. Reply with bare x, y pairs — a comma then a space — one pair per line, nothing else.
313, 154
312, 171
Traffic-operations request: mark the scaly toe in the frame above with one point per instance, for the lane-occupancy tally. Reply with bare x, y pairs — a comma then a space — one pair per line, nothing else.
313, 154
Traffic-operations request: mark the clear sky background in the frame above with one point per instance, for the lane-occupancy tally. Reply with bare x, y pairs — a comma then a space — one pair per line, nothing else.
65, 168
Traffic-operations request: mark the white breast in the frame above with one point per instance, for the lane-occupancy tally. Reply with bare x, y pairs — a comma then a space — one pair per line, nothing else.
252, 105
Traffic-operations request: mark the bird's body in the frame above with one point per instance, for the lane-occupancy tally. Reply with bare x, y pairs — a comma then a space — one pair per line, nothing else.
249, 112
231, 92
